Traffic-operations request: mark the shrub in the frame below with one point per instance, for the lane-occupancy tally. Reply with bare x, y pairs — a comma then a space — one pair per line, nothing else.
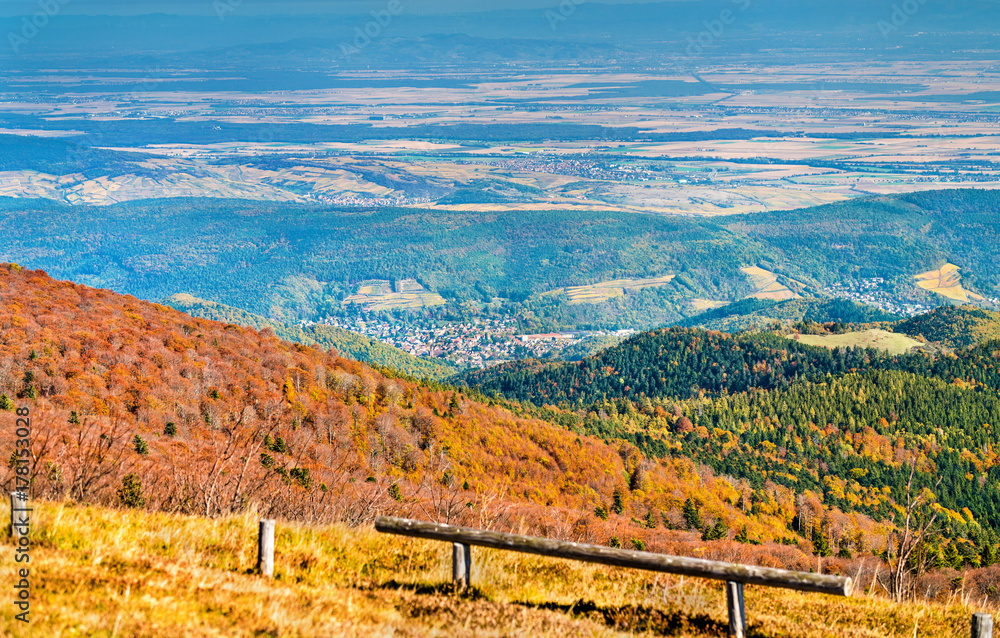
395, 492
276, 444
130, 492
821, 546
618, 507
301, 476
716, 532
170, 429
650, 520
691, 515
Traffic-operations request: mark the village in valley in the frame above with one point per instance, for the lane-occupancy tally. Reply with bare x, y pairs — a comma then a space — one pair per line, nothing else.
478, 343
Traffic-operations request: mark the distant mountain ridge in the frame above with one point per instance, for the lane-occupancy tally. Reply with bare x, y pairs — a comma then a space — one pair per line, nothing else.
305, 260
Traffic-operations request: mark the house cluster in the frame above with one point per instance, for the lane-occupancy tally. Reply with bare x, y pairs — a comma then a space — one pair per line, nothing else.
473, 344
873, 292
578, 168
353, 199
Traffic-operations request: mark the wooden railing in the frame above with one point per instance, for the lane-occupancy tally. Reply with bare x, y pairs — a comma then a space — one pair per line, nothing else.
735, 575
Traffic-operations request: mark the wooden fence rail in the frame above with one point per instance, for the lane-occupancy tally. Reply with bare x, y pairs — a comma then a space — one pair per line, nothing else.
730, 572
734, 575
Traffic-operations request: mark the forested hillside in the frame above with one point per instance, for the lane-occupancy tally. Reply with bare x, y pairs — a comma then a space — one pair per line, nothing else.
760, 313
681, 362
290, 261
892, 237
845, 424
138, 405
953, 326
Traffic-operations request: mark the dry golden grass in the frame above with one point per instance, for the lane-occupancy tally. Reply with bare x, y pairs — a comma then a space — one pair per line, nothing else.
103, 572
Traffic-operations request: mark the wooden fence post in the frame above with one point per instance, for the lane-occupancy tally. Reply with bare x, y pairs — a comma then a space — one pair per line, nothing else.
982, 626
737, 610
461, 565
265, 548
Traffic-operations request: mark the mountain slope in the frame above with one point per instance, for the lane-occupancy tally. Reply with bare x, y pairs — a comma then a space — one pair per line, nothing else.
212, 418
140, 406
846, 423
890, 237
294, 262
672, 363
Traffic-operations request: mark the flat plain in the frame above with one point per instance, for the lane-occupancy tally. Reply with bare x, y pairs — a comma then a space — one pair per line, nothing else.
739, 148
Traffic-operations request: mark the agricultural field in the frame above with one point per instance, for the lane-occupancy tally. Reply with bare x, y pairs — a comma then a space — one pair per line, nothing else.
607, 290
890, 342
767, 286
566, 139
701, 305
406, 294
947, 282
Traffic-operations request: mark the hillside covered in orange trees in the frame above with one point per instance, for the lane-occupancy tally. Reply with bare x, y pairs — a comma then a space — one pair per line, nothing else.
138, 405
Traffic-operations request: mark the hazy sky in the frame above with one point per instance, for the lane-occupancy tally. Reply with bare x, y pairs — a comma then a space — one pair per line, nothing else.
133, 7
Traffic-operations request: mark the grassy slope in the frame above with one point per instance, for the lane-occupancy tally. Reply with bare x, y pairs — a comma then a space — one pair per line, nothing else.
348, 344
103, 572
879, 339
